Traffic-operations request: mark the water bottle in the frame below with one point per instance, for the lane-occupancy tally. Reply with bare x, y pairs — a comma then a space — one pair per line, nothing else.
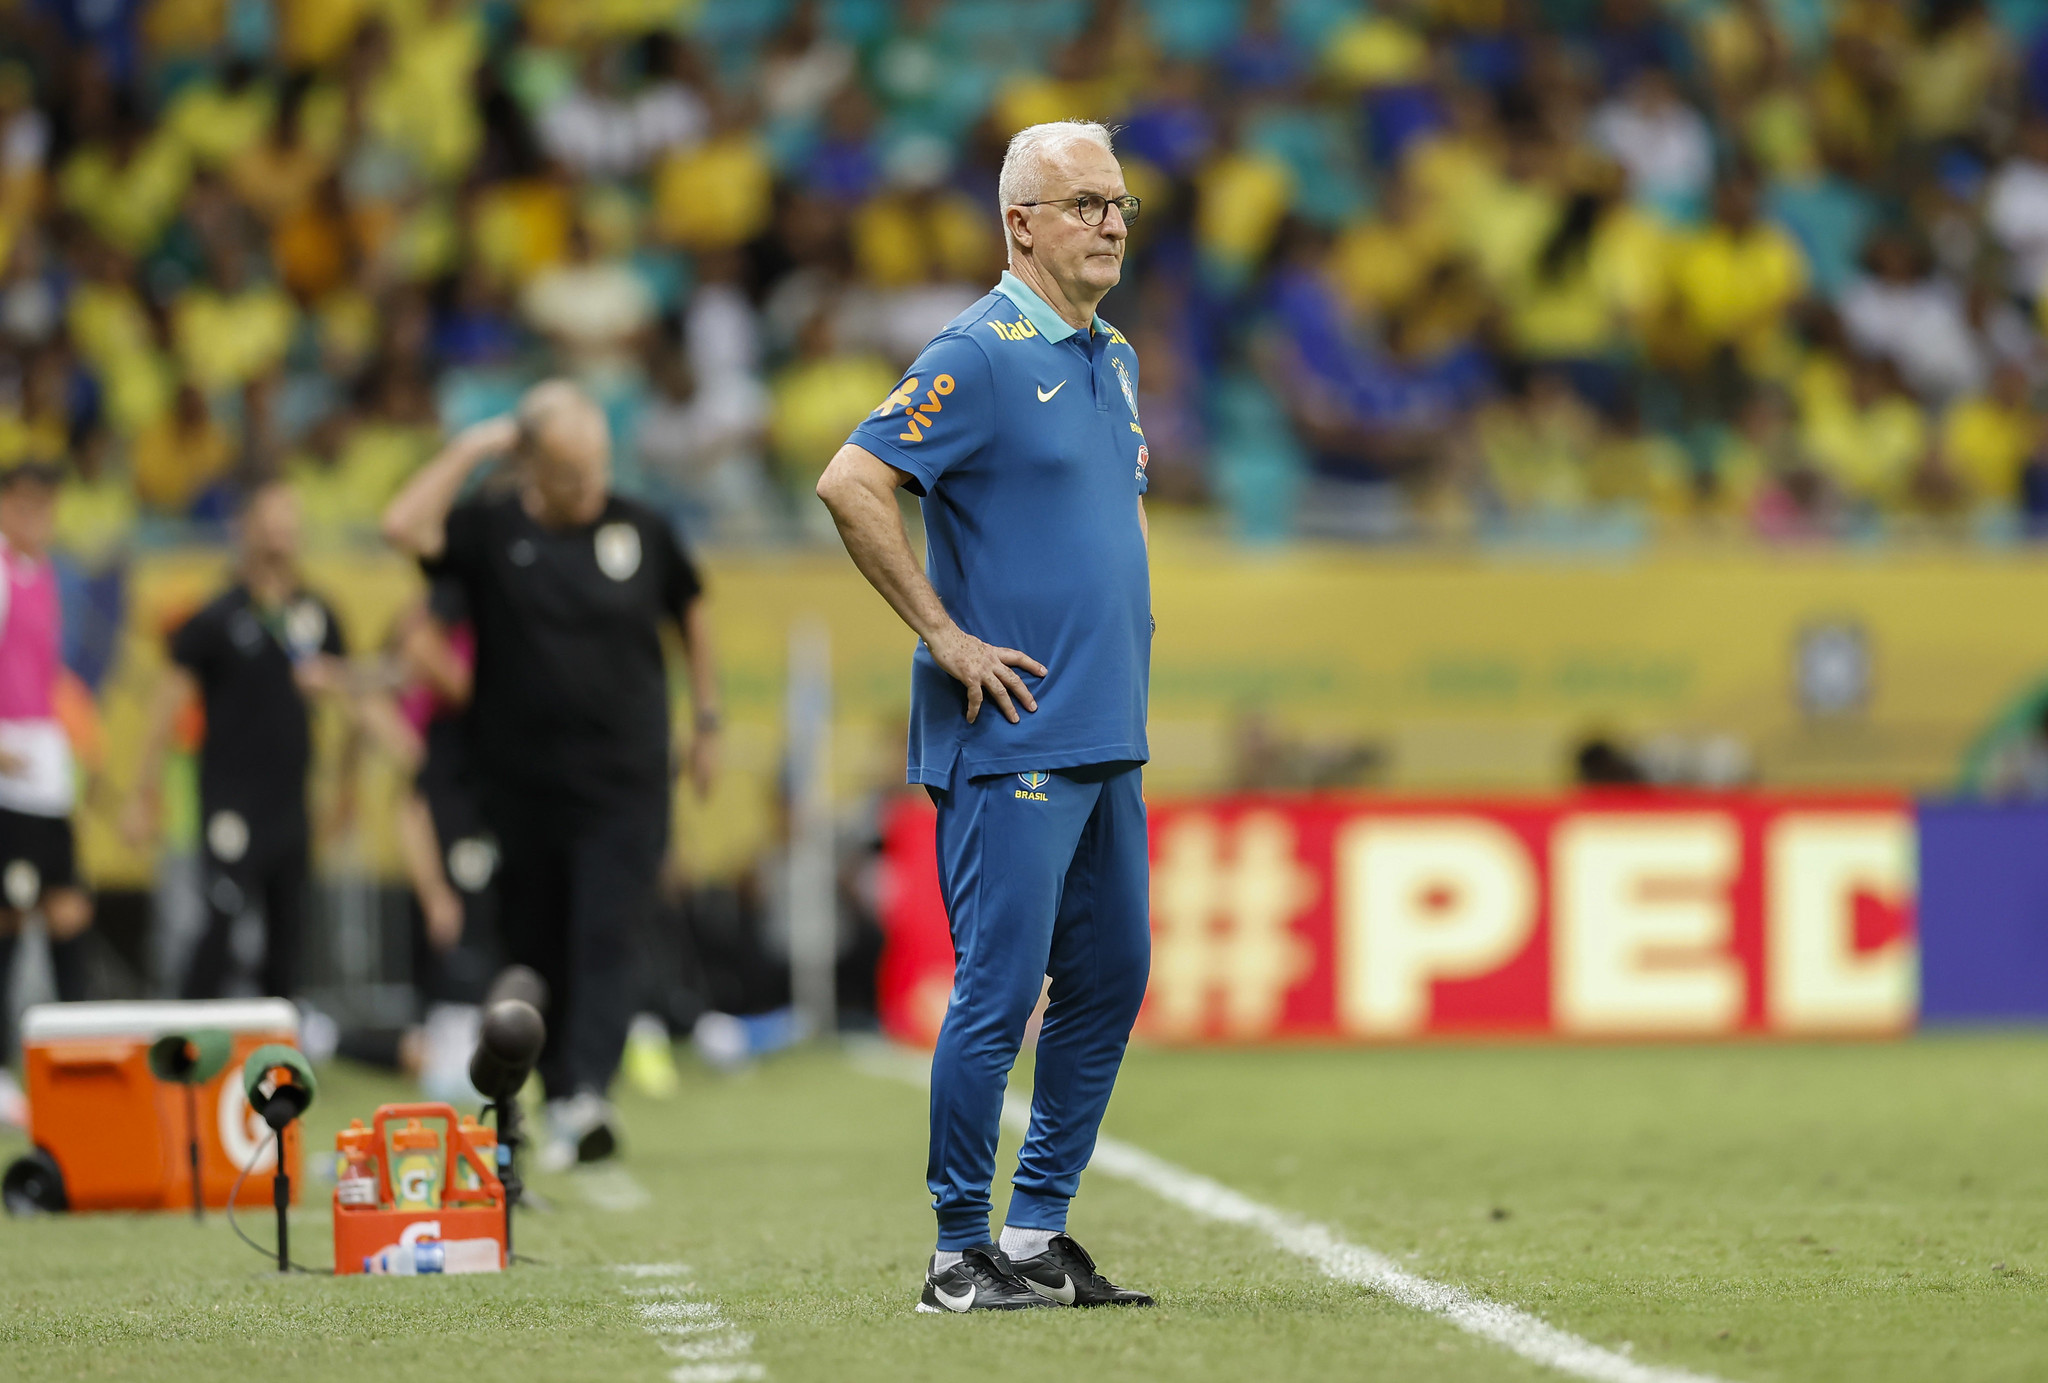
408, 1260
356, 1184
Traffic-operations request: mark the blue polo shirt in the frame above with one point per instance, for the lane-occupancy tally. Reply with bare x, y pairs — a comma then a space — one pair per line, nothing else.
1021, 437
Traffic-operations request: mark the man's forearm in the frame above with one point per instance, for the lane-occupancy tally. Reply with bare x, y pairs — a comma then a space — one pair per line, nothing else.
701, 665
415, 521
168, 699
872, 530
141, 814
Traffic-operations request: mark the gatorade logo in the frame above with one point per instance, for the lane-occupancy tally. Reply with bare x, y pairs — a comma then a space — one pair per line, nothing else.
416, 1178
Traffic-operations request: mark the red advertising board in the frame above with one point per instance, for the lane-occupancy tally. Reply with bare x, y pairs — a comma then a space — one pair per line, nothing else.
1606, 915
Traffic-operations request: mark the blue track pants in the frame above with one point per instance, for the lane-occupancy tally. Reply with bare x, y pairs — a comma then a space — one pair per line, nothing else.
1044, 875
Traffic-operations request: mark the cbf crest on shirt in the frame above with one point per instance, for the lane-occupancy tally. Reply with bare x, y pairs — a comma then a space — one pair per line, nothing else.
1021, 437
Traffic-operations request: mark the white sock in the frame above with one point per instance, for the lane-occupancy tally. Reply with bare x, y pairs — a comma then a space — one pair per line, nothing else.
1025, 1243
944, 1259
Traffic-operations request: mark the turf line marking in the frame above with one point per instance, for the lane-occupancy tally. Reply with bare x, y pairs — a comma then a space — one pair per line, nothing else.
608, 1186
1513, 1329
676, 1321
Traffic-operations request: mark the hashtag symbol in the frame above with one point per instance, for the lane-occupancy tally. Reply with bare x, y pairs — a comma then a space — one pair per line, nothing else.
1223, 952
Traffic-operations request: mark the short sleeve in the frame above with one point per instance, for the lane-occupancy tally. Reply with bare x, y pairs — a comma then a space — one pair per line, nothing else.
332, 643
941, 414
463, 542
680, 583
193, 643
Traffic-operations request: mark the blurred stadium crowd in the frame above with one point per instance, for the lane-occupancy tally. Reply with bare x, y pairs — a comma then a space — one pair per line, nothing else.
1576, 269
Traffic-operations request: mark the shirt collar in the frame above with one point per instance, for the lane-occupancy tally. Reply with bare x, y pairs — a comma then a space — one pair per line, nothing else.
1037, 310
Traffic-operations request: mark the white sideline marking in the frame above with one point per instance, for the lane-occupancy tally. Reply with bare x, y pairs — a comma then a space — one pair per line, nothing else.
655, 1312
1509, 1327
608, 1186
671, 1317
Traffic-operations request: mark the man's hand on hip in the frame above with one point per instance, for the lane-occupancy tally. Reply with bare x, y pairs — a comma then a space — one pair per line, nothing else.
985, 670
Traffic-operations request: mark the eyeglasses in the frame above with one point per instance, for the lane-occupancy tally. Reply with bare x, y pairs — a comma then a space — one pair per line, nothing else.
1093, 208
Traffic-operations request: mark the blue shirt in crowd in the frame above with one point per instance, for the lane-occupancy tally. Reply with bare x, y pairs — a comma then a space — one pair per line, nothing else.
1021, 436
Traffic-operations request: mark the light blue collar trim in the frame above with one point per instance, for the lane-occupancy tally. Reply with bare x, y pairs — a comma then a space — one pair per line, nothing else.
1037, 310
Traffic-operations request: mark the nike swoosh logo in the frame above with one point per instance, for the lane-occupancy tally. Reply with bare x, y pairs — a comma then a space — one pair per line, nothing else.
1063, 1294
963, 1302
1044, 396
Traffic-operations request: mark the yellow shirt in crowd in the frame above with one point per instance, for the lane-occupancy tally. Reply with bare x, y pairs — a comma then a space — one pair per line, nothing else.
716, 196
228, 339
128, 205
1733, 288
173, 465
1871, 452
817, 402
1987, 444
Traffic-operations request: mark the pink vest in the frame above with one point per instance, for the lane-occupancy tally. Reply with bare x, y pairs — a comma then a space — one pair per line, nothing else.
28, 638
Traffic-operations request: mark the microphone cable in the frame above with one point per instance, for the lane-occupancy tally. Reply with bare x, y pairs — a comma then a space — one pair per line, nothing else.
276, 1141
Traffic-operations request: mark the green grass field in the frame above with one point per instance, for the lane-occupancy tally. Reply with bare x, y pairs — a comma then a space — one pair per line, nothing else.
1751, 1212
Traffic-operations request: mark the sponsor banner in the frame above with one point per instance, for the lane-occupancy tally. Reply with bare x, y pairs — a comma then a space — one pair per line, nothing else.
1624, 915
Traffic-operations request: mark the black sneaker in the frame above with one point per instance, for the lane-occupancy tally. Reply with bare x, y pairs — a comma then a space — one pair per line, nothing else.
981, 1281
1065, 1274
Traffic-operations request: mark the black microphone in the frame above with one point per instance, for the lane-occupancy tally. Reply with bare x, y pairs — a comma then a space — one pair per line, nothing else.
191, 1060
278, 1082
518, 982
508, 1046
512, 1035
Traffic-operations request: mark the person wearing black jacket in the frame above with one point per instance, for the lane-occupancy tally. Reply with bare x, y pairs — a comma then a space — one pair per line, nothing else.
255, 658
568, 586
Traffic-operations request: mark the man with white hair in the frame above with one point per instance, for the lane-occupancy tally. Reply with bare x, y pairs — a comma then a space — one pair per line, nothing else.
1018, 430
568, 586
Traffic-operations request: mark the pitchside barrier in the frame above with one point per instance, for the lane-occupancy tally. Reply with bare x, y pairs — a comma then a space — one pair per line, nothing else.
1602, 915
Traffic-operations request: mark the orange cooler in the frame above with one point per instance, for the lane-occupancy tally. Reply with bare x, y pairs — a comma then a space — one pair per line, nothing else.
118, 1133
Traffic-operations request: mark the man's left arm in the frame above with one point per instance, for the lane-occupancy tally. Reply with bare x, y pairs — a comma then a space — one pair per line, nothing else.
1144, 528
333, 680
683, 595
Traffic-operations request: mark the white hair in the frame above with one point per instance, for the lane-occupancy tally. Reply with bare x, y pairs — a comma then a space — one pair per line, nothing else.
1031, 148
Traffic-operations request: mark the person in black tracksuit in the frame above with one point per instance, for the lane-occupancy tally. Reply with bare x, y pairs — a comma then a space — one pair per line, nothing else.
253, 657
568, 586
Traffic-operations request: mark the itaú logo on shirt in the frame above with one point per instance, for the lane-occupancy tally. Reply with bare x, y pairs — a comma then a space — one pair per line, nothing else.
1032, 783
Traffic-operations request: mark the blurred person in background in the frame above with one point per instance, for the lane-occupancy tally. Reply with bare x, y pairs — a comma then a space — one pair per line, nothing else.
38, 856
568, 585
255, 658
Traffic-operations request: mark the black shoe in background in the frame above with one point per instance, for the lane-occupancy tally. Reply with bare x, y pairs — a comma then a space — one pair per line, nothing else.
981, 1281
1065, 1274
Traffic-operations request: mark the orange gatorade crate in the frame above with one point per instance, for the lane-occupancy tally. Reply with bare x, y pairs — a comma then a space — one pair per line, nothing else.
413, 1197
118, 1133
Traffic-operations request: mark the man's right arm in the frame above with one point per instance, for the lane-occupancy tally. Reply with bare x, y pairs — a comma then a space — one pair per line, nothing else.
174, 691
416, 520
860, 490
